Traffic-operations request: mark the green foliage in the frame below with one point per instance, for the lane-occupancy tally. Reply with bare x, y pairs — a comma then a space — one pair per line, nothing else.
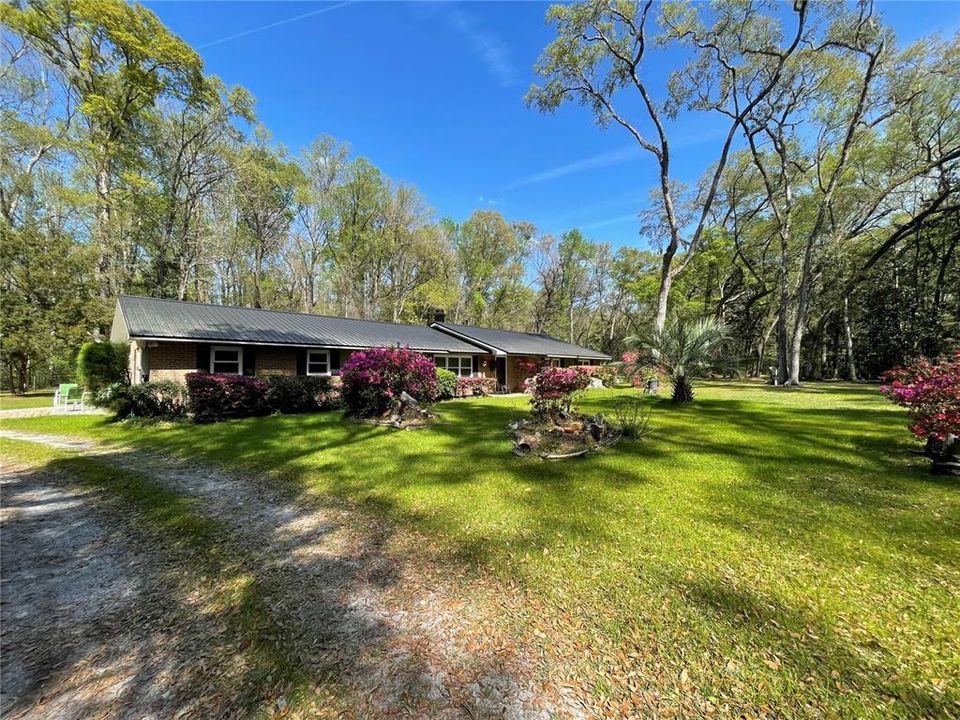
161, 400
301, 393
46, 302
489, 253
685, 350
631, 414
446, 384
213, 397
100, 364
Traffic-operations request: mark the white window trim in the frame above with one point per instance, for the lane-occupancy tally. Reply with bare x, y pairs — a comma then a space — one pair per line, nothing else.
460, 359
239, 351
311, 351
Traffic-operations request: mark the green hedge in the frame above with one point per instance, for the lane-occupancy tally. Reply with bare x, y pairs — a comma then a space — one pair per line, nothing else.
100, 364
446, 384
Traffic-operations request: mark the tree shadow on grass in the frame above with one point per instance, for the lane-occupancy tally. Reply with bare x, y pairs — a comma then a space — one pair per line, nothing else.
810, 653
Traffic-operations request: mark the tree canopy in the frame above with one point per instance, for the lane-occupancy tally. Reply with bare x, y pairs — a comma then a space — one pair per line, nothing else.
823, 236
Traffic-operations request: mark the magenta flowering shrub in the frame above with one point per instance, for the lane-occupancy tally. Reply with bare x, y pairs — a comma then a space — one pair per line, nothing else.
372, 380
931, 394
554, 389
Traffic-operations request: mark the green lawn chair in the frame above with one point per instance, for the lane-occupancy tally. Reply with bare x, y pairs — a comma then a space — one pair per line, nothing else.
74, 397
62, 393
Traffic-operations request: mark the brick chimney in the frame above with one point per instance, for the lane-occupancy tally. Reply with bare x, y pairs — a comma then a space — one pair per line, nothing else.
439, 315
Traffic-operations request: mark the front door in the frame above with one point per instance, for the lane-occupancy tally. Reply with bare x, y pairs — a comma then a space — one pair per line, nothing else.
501, 372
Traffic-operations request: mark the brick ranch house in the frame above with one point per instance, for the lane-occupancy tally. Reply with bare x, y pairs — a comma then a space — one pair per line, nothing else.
170, 338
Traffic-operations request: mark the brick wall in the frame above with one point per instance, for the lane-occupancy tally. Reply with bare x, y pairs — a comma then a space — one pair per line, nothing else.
172, 361
515, 374
276, 361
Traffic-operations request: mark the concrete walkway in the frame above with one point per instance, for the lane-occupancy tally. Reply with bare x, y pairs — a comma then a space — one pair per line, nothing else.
45, 411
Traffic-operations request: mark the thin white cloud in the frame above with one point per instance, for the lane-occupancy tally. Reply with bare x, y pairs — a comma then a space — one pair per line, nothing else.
614, 157
488, 45
619, 220
278, 23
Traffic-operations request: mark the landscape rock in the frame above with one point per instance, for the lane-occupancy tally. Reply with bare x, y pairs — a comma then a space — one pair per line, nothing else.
560, 436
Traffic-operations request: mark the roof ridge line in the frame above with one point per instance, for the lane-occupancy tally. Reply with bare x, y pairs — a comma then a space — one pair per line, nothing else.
282, 312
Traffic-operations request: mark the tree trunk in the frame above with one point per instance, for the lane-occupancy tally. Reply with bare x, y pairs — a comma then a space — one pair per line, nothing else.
666, 281
103, 230
682, 389
782, 318
848, 335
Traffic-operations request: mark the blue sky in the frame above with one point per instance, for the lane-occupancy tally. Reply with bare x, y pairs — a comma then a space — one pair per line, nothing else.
432, 93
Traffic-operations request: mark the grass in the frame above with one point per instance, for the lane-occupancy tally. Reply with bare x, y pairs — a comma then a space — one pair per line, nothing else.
32, 399
764, 551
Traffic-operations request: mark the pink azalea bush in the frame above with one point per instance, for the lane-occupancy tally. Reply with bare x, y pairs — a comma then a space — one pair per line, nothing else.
931, 394
373, 380
554, 389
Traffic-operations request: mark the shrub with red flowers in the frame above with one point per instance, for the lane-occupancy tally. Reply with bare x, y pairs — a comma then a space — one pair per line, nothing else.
373, 380
554, 389
931, 394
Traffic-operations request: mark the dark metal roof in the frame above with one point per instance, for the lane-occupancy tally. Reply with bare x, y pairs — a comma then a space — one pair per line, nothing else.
176, 320
521, 343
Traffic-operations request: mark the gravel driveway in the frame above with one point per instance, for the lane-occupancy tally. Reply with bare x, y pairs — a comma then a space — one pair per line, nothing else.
93, 624
367, 606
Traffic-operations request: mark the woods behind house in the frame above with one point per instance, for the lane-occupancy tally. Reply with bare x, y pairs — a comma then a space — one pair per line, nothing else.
824, 233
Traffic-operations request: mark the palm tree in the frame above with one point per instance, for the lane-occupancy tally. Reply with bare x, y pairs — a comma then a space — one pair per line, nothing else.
686, 350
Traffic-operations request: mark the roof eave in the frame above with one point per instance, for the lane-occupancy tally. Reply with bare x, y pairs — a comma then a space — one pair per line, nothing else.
325, 346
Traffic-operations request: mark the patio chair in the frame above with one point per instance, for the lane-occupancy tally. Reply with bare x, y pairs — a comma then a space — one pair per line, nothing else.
60, 396
74, 397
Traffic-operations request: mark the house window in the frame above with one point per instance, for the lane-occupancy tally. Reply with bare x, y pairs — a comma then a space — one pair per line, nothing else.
226, 360
555, 362
318, 362
460, 365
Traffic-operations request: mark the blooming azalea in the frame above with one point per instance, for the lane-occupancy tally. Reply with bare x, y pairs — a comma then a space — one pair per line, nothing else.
931, 394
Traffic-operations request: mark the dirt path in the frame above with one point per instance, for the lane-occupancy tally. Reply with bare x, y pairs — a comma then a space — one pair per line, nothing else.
93, 625
365, 604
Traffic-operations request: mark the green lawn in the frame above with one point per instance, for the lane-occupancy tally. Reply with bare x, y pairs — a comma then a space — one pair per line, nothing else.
765, 551
32, 399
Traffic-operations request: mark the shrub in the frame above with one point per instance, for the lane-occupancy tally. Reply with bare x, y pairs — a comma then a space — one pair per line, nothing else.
162, 400
632, 416
300, 393
108, 396
446, 384
610, 376
684, 350
554, 389
372, 380
214, 397
479, 386
102, 363
931, 394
